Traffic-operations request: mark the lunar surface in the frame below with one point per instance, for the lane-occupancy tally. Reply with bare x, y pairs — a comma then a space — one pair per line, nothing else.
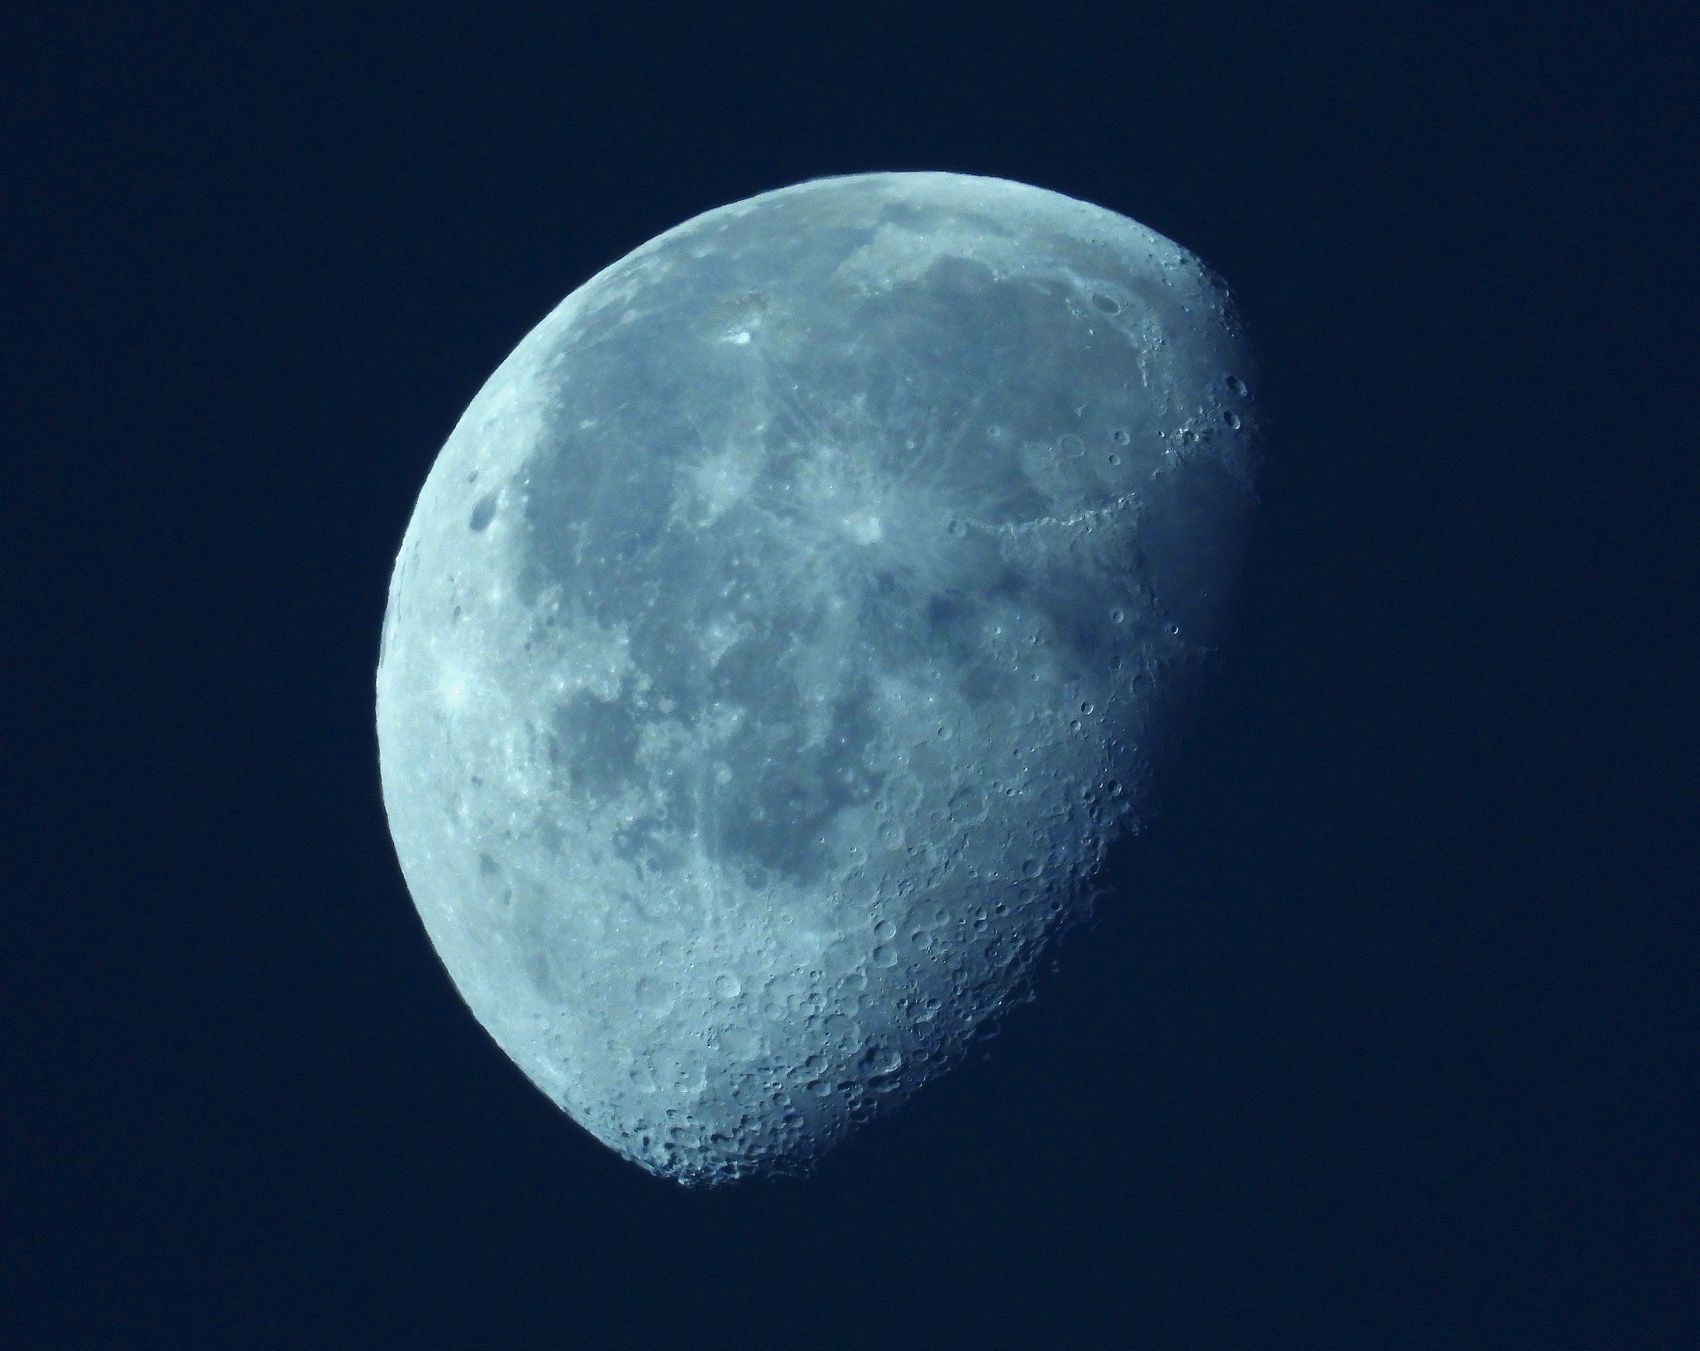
784, 633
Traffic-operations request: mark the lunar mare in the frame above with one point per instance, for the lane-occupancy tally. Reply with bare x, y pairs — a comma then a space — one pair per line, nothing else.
783, 635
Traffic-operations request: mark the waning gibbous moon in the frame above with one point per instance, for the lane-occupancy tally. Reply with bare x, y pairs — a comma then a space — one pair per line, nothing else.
783, 635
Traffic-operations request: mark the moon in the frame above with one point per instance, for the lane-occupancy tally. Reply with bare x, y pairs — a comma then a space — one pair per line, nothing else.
785, 632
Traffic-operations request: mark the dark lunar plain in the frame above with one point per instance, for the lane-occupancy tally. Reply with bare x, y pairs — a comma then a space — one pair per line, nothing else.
1384, 1036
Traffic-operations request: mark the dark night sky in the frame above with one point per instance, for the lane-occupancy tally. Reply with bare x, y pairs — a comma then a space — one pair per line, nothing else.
1384, 1038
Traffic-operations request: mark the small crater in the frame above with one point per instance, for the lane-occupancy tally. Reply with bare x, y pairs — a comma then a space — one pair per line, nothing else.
1236, 386
1120, 436
877, 1060
483, 513
1106, 304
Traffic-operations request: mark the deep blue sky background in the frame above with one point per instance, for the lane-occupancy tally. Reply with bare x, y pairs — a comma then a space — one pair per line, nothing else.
1385, 1038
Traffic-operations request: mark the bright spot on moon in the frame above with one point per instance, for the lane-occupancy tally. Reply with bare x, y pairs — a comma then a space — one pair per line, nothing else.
783, 635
